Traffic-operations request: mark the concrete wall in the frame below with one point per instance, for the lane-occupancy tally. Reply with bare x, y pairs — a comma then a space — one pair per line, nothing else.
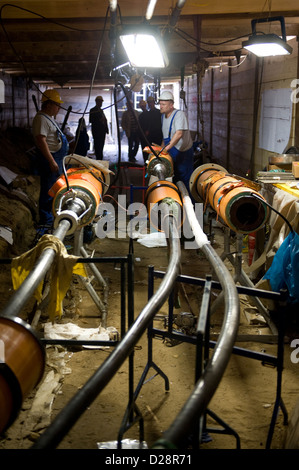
229, 109
18, 107
223, 107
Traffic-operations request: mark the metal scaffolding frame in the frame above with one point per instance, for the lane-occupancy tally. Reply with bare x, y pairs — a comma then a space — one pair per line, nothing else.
203, 345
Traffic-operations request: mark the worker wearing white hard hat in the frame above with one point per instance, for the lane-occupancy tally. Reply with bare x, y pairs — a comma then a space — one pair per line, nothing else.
52, 146
166, 95
176, 138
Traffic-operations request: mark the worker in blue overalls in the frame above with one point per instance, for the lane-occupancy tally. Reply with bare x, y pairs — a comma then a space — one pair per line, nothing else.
52, 147
177, 138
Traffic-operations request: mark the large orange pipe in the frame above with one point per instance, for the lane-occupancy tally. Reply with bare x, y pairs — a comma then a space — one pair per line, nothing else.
79, 178
231, 197
157, 193
86, 186
162, 163
22, 366
22, 357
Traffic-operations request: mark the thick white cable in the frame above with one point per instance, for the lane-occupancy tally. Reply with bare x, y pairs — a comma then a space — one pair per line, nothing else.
200, 237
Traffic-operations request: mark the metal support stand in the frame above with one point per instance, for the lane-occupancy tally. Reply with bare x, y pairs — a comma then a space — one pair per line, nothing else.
202, 357
203, 344
241, 277
201, 341
101, 305
126, 304
132, 189
278, 401
126, 284
128, 420
132, 414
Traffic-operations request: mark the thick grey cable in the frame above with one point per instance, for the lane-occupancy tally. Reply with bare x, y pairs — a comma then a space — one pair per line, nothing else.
78, 404
183, 425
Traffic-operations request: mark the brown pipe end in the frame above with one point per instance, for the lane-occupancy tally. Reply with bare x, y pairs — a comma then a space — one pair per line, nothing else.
21, 367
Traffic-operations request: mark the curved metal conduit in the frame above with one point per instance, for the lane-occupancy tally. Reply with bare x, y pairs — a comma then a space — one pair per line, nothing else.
24, 293
78, 404
206, 386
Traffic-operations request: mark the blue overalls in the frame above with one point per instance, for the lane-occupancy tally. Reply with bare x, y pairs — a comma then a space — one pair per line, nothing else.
48, 178
183, 161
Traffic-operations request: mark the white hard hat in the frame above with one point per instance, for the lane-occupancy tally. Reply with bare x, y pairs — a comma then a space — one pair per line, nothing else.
166, 96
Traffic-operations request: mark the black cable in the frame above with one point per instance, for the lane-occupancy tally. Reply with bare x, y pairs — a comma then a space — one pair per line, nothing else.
27, 74
256, 196
211, 43
196, 44
93, 76
68, 27
47, 19
90, 87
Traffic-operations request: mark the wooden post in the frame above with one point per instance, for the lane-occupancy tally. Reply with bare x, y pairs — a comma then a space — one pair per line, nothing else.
197, 27
229, 82
211, 113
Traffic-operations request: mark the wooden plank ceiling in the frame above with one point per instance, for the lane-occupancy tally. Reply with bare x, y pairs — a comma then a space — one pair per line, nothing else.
68, 42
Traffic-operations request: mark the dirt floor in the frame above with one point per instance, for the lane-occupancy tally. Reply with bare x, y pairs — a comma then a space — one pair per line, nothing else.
244, 399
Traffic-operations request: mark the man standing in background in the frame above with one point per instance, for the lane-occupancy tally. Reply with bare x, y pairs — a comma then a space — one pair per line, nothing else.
129, 123
154, 135
99, 127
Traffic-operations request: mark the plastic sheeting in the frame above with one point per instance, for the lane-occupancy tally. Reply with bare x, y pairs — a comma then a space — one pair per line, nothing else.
284, 271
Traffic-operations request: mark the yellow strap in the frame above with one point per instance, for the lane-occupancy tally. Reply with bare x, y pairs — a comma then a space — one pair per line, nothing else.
61, 271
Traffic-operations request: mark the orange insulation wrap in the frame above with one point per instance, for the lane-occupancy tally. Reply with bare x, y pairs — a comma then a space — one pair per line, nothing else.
81, 178
164, 159
233, 201
90, 188
24, 359
158, 191
162, 156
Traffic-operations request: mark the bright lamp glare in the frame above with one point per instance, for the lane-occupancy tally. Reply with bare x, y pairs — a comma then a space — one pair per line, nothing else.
267, 49
144, 50
267, 45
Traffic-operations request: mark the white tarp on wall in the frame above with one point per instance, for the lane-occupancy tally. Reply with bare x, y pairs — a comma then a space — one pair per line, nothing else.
276, 119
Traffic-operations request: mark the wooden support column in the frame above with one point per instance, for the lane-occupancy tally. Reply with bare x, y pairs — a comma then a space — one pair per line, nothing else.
211, 113
256, 97
197, 30
27, 102
13, 101
229, 94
